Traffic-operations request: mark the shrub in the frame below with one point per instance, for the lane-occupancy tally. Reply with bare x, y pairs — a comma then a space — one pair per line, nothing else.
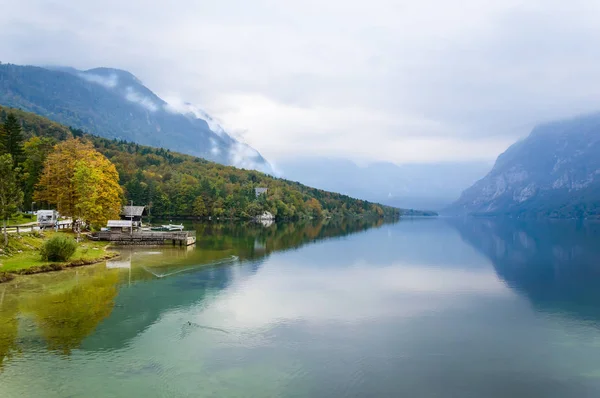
58, 248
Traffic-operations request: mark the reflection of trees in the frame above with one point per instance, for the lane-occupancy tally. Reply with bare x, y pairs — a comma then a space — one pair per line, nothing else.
67, 317
9, 325
556, 264
252, 240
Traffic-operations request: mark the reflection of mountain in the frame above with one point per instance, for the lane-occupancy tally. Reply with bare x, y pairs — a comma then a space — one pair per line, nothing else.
142, 303
556, 264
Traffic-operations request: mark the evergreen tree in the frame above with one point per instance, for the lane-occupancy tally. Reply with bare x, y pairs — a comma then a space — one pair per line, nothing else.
12, 137
11, 197
2, 139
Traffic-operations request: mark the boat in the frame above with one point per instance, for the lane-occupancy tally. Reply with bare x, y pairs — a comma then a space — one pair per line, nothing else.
168, 227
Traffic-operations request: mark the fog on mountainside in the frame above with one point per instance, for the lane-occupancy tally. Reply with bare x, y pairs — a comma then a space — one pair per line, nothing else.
114, 104
412, 186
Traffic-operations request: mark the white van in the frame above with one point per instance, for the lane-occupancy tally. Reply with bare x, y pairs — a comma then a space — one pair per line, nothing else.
47, 218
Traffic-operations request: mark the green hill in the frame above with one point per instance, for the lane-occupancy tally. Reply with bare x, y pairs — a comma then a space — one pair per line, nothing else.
177, 185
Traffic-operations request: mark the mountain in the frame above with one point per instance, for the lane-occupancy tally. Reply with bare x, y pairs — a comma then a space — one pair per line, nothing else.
416, 186
114, 104
554, 172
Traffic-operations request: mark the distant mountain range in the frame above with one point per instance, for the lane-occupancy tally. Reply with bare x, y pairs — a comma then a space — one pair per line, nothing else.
113, 103
554, 172
411, 186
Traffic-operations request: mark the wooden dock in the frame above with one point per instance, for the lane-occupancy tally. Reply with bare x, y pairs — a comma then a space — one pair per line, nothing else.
146, 238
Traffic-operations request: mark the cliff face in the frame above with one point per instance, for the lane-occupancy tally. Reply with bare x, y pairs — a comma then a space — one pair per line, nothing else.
555, 171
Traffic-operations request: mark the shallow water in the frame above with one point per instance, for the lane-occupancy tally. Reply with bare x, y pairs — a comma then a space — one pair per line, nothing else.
418, 308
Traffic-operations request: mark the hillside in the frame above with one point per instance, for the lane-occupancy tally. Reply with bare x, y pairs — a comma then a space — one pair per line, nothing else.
554, 172
172, 183
114, 104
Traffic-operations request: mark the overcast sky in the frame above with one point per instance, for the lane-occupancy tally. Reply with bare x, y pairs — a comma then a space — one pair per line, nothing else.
400, 81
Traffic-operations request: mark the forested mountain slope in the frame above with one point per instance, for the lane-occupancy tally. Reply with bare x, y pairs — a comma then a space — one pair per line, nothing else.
173, 184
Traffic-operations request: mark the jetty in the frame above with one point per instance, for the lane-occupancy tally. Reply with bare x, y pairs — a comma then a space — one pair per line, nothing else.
146, 238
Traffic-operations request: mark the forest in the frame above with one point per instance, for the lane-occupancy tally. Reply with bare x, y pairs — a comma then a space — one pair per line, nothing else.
169, 183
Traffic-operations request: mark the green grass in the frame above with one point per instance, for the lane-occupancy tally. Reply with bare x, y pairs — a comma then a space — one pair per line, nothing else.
22, 218
24, 251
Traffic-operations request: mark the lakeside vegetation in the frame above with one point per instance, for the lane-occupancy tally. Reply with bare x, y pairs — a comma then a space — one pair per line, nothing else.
78, 174
23, 254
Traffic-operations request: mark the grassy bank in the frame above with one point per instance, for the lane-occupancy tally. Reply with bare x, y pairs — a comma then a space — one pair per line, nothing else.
21, 218
22, 255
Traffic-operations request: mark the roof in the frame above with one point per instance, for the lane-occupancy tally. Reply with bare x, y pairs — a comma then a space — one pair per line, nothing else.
135, 211
46, 212
260, 190
119, 223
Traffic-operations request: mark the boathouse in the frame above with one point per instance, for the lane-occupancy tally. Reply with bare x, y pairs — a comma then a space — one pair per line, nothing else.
134, 214
119, 225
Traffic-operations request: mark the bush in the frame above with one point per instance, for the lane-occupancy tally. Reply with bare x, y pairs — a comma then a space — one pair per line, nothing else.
58, 248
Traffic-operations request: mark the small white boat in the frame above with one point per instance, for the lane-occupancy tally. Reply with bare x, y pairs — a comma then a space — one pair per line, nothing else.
172, 227
168, 227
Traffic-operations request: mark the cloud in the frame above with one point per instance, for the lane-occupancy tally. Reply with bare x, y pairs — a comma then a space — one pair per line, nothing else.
243, 156
110, 81
402, 81
177, 105
133, 96
336, 293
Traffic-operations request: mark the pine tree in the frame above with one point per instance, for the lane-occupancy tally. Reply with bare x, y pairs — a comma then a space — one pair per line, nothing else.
2, 139
12, 137
11, 197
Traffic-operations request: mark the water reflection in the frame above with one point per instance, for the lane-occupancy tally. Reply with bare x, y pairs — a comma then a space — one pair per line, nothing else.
9, 324
555, 264
406, 309
61, 310
66, 317
107, 305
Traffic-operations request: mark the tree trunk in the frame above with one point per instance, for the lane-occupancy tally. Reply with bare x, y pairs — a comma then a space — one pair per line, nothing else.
5, 235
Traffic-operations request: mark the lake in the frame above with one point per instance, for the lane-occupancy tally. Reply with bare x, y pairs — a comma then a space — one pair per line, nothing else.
415, 308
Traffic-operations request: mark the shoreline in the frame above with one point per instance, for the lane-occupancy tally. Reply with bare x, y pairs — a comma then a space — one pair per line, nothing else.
7, 276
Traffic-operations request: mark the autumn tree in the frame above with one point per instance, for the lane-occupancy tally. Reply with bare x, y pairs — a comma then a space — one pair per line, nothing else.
199, 207
12, 139
11, 196
80, 182
97, 186
314, 207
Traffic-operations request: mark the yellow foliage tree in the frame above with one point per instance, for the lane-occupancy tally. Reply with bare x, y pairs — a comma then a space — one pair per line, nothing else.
98, 189
81, 183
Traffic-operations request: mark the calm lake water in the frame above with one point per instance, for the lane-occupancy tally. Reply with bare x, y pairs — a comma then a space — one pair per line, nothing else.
417, 308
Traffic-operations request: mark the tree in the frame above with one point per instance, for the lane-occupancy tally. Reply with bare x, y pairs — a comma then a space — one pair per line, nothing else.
11, 197
56, 185
80, 182
97, 186
199, 207
12, 138
37, 150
